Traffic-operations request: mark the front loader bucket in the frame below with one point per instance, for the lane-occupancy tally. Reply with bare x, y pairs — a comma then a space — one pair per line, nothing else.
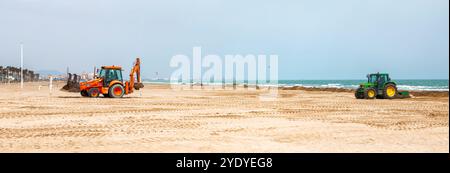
73, 83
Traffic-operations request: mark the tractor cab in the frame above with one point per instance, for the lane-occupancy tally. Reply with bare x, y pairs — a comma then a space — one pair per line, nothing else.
110, 73
378, 79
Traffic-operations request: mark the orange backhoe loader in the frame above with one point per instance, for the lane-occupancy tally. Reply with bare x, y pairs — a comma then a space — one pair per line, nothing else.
109, 82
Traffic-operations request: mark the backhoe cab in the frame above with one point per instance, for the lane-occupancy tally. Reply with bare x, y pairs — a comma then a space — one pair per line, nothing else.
109, 82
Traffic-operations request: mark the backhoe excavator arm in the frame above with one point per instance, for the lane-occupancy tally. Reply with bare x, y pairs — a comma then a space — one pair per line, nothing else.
136, 69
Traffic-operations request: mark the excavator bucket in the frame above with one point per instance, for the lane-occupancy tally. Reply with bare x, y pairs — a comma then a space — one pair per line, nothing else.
73, 83
138, 86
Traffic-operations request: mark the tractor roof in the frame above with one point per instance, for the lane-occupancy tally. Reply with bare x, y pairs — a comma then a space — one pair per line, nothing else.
112, 67
379, 73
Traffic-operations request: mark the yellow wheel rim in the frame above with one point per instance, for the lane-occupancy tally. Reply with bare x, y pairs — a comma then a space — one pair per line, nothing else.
371, 93
390, 91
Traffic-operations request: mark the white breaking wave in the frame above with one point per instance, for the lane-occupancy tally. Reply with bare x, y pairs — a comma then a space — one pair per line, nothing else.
422, 88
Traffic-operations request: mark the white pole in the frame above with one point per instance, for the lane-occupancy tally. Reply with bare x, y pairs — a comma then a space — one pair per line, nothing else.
21, 65
8, 75
50, 87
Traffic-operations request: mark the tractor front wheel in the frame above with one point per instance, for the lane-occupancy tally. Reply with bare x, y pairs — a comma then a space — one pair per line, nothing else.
370, 93
84, 93
94, 92
116, 91
358, 94
390, 91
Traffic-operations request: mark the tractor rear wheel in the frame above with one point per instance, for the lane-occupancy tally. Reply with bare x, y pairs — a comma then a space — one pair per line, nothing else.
94, 92
370, 93
116, 91
390, 91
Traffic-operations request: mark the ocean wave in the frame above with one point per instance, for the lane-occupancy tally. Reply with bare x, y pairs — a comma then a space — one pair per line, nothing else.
422, 88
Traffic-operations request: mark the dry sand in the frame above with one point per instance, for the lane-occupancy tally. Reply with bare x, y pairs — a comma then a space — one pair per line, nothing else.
163, 120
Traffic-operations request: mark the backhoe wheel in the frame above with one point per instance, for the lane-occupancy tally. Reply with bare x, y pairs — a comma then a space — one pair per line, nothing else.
116, 91
84, 93
370, 93
390, 91
94, 92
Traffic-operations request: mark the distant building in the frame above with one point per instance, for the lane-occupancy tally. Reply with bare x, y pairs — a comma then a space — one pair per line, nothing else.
12, 74
87, 76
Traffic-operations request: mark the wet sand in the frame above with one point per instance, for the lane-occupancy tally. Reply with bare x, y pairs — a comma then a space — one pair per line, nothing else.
159, 119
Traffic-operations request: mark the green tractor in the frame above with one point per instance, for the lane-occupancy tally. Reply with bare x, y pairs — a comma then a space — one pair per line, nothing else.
379, 85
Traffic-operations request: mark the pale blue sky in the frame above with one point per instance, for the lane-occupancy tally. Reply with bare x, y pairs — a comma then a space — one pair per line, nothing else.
315, 39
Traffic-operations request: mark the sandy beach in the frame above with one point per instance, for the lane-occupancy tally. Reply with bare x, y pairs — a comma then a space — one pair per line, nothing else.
159, 119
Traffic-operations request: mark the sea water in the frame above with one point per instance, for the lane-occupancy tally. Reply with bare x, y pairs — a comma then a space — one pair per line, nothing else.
402, 84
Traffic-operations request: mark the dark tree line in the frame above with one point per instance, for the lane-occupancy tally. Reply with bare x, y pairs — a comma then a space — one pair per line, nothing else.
12, 74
